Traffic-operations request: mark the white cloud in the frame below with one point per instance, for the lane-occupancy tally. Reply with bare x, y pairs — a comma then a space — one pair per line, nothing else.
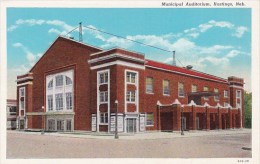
30, 22
233, 53
240, 31
215, 49
17, 45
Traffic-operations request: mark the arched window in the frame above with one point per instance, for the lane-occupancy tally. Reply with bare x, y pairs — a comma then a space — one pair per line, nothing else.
68, 81
50, 85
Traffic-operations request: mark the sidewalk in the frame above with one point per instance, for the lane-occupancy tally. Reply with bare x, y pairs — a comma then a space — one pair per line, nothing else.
141, 136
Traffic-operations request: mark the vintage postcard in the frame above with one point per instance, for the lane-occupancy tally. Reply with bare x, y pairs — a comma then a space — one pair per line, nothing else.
130, 81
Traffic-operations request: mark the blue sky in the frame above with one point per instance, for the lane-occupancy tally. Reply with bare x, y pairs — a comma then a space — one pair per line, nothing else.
215, 41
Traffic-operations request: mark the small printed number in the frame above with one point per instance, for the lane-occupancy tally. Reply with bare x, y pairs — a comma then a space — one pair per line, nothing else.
242, 161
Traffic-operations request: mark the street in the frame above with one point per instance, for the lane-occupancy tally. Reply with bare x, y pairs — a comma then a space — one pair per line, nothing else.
154, 145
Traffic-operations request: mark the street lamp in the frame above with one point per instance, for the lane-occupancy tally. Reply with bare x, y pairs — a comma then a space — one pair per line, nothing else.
182, 131
42, 120
116, 132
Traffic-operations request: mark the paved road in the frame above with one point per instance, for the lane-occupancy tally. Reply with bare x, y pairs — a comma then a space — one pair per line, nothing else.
192, 145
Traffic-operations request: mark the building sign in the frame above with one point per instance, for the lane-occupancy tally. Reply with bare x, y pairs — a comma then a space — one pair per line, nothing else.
120, 123
94, 123
142, 122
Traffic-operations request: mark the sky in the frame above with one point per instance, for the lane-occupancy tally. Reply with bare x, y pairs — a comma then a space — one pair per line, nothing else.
214, 41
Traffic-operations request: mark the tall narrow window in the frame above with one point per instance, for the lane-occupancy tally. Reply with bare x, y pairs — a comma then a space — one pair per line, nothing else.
225, 93
51, 124
149, 85
59, 101
238, 94
181, 89
194, 88
103, 97
206, 89
103, 78
130, 96
166, 87
22, 98
216, 98
50, 103
69, 100
60, 125
131, 77
59, 80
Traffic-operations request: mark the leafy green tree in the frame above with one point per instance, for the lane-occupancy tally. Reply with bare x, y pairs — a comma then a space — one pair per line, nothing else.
248, 109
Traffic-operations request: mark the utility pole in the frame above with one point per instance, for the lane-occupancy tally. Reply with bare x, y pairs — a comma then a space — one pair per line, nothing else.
80, 32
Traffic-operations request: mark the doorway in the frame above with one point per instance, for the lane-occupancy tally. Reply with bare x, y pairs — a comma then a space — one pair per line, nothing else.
131, 125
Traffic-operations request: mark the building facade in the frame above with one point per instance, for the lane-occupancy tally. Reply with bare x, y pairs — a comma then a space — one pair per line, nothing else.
11, 114
75, 86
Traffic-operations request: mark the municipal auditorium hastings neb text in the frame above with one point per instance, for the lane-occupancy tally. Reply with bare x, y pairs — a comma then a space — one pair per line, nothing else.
78, 87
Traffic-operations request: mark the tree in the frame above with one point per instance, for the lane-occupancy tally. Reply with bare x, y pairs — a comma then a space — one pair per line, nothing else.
248, 109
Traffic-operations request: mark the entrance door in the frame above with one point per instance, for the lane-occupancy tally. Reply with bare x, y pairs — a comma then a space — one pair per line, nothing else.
131, 125
21, 124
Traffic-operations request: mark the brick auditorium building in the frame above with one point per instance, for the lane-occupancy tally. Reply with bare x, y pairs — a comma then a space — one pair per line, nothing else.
75, 86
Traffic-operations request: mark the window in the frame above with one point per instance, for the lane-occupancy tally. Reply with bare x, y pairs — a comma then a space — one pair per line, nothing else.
69, 100
238, 94
225, 93
130, 96
51, 124
60, 125
205, 89
149, 85
149, 119
103, 118
59, 101
194, 88
238, 105
50, 102
59, 80
130, 77
22, 98
166, 87
181, 89
50, 85
103, 97
216, 98
68, 125
68, 81
103, 78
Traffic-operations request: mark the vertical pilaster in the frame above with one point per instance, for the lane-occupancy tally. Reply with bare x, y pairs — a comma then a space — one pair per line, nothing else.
219, 119
208, 118
194, 122
230, 119
178, 114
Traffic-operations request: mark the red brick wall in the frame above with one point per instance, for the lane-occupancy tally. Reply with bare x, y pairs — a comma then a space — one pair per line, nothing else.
65, 54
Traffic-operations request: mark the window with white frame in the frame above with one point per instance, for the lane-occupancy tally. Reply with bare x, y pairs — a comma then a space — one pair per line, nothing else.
216, 98
149, 85
59, 95
206, 89
225, 93
226, 104
103, 118
130, 96
149, 119
131, 77
238, 94
50, 102
22, 98
193, 88
181, 89
103, 97
103, 78
238, 105
59, 80
69, 100
59, 101
166, 87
